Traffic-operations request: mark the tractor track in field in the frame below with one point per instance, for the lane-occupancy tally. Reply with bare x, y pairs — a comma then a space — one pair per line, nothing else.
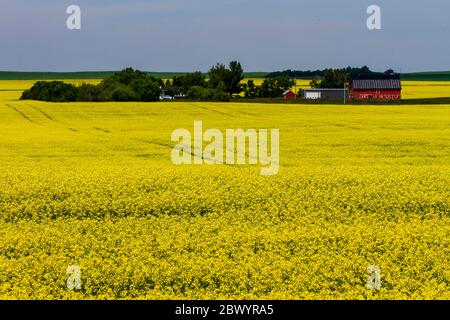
212, 110
172, 146
43, 113
102, 130
21, 113
49, 117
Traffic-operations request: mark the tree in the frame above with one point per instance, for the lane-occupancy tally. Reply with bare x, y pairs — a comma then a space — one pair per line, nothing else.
207, 94
250, 90
269, 89
126, 85
365, 70
177, 81
89, 93
217, 75
140, 86
285, 83
123, 93
146, 90
54, 91
274, 88
315, 82
193, 79
334, 78
236, 76
226, 79
127, 76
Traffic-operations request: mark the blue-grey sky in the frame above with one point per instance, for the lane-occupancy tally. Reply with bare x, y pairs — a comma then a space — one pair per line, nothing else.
187, 35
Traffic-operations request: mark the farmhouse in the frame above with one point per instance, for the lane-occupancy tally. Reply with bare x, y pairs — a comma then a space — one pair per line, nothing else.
289, 95
171, 93
165, 97
384, 87
317, 93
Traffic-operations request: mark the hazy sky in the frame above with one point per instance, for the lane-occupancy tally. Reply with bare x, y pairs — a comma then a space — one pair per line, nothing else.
187, 35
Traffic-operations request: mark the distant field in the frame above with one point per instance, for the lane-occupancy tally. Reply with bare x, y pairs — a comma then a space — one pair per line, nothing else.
12, 89
427, 76
425, 89
92, 185
20, 85
5, 75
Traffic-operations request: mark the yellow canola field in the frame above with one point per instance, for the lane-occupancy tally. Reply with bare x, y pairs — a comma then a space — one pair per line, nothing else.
20, 85
92, 186
425, 89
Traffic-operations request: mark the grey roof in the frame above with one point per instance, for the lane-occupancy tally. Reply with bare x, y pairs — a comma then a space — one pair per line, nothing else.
324, 89
377, 84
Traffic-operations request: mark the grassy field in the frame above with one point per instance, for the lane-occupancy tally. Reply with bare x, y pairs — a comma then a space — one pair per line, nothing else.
92, 185
427, 76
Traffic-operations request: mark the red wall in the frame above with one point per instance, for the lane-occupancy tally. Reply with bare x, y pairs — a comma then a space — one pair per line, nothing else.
376, 95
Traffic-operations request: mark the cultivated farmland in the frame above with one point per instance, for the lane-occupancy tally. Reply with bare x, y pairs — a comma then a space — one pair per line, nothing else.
92, 185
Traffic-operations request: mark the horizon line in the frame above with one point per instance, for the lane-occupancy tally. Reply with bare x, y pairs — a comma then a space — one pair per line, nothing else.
149, 71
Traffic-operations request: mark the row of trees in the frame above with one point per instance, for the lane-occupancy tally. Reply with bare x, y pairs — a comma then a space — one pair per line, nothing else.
133, 85
317, 73
339, 78
126, 85
220, 84
223, 82
270, 88
333, 78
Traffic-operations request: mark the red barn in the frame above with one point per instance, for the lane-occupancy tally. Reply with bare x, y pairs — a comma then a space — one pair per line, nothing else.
381, 88
289, 95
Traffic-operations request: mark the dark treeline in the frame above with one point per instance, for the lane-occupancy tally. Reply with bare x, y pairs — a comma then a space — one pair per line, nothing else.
319, 73
270, 88
126, 85
221, 83
133, 85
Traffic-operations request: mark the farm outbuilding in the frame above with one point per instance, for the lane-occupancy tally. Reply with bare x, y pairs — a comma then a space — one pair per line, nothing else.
289, 95
382, 88
317, 93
